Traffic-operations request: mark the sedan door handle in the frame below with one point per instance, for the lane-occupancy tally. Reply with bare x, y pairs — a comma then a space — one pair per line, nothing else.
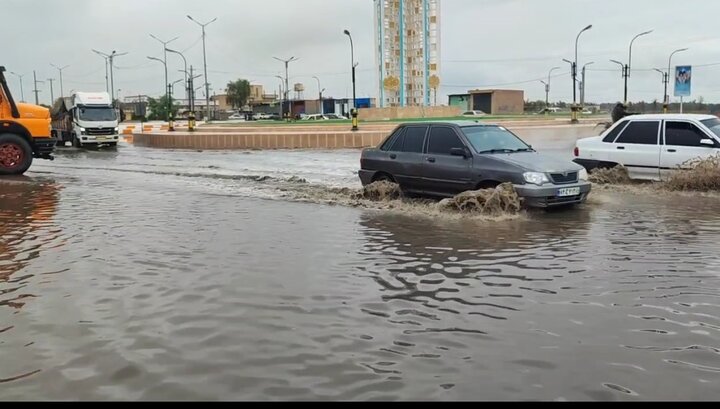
393, 156
621, 148
431, 160
672, 150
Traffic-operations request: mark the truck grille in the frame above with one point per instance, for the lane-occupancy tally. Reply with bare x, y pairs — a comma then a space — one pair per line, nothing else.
560, 178
99, 131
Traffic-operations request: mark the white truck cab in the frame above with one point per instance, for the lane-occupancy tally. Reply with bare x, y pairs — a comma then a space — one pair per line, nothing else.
651, 147
86, 118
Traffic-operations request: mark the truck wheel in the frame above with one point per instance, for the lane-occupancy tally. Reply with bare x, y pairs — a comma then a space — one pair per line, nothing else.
15, 155
76, 142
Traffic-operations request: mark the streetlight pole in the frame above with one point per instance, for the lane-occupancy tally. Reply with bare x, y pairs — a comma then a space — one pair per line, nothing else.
623, 71
547, 89
107, 80
168, 116
574, 75
36, 90
185, 64
287, 83
282, 107
667, 93
629, 64
110, 58
165, 43
60, 69
22, 91
320, 91
354, 112
665, 81
207, 83
582, 85
52, 93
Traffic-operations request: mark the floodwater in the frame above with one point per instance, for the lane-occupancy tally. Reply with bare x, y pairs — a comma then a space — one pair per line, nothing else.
158, 275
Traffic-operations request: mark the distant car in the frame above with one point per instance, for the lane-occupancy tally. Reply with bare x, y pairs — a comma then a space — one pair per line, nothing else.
260, 116
549, 111
335, 117
651, 146
315, 117
444, 159
474, 113
237, 117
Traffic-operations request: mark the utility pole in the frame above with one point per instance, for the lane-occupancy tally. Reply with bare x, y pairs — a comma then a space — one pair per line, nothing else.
52, 94
320, 91
22, 91
109, 58
582, 85
667, 95
207, 83
164, 61
36, 90
354, 112
60, 69
665, 81
574, 64
547, 89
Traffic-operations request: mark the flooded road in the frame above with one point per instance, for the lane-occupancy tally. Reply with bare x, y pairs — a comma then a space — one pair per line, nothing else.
147, 274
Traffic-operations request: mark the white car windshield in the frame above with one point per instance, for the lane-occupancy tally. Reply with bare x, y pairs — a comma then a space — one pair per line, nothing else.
494, 139
713, 124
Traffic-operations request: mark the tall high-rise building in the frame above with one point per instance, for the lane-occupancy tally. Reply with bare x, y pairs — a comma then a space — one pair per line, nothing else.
407, 49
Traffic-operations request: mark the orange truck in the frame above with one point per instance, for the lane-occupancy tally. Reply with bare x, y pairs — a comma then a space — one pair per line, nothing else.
24, 132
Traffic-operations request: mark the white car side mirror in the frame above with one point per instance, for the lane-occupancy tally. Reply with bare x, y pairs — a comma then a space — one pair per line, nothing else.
707, 142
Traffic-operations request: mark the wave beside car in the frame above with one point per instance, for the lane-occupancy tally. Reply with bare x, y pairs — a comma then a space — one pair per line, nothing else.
445, 159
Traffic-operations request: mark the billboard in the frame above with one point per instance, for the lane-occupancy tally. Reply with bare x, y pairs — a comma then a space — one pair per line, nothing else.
683, 81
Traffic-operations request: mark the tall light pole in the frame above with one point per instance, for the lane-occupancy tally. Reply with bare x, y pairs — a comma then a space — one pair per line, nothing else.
547, 89
52, 93
107, 78
207, 83
22, 91
623, 70
282, 109
36, 90
320, 91
187, 87
287, 83
167, 88
60, 69
164, 44
354, 111
110, 58
665, 81
629, 64
582, 84
574, 74
667, 93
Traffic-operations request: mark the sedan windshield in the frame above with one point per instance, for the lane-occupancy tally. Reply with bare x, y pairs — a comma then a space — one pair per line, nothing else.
494, 139
713, 124
97, 114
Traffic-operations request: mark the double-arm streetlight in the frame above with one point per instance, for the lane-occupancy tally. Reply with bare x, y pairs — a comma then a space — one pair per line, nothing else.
582, 83
164, 60
109, 61
667, 94
167, 91
282, 110
60, 69
207, 83
354, 112
287, 83
627, 67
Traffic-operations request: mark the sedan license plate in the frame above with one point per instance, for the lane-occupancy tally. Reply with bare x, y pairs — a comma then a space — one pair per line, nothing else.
569, 191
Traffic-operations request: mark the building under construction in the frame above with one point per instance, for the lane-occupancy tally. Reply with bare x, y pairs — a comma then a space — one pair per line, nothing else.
407, 47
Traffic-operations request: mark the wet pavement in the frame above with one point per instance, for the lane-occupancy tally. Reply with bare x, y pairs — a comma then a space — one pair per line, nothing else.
150, 274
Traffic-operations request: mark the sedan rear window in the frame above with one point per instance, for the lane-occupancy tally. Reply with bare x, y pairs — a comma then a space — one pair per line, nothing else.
414, 139
640, 133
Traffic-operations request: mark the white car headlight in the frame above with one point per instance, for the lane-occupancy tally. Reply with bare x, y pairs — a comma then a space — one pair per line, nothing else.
536, 178
117, 129
583, 175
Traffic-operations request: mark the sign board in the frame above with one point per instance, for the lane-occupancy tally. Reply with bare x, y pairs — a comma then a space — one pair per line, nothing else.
683, 81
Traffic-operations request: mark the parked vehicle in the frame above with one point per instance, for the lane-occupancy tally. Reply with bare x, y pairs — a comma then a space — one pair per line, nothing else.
336, 117
237, 117
444, 159
651, 146
260, 116
85, 118
315, 117
474, 113
24, 132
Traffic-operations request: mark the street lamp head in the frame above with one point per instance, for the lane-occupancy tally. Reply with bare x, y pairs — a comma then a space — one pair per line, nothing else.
588, 27
347, 33
617, 62
646, 33
567, 61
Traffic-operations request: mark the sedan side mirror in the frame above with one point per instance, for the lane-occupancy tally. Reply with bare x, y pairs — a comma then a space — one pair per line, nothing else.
459, 152
707, 142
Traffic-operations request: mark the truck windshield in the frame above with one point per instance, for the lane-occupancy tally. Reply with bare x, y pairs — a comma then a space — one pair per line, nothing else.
494, 139
97, 114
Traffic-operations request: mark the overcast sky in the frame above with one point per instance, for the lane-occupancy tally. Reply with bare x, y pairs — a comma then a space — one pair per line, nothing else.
485, 43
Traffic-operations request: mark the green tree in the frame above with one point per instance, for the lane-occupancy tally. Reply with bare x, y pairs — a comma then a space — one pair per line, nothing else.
238, 92
159, 108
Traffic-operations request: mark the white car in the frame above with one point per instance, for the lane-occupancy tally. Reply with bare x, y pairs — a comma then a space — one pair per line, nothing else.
651, 146
335, 116
237, 117
315, 117
474, 113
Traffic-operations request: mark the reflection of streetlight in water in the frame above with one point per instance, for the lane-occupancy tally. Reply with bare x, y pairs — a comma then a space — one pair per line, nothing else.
27, 208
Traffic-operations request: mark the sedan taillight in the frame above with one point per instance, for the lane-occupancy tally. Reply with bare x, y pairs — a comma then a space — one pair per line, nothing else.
576, 151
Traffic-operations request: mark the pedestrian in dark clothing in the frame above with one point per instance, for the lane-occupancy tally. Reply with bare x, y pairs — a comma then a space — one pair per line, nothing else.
619, 112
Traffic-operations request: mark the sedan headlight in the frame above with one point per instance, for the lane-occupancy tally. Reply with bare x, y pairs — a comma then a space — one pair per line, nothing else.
536, 178
583, 175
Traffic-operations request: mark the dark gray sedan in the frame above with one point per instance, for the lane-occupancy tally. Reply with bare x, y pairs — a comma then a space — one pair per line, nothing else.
444, 159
